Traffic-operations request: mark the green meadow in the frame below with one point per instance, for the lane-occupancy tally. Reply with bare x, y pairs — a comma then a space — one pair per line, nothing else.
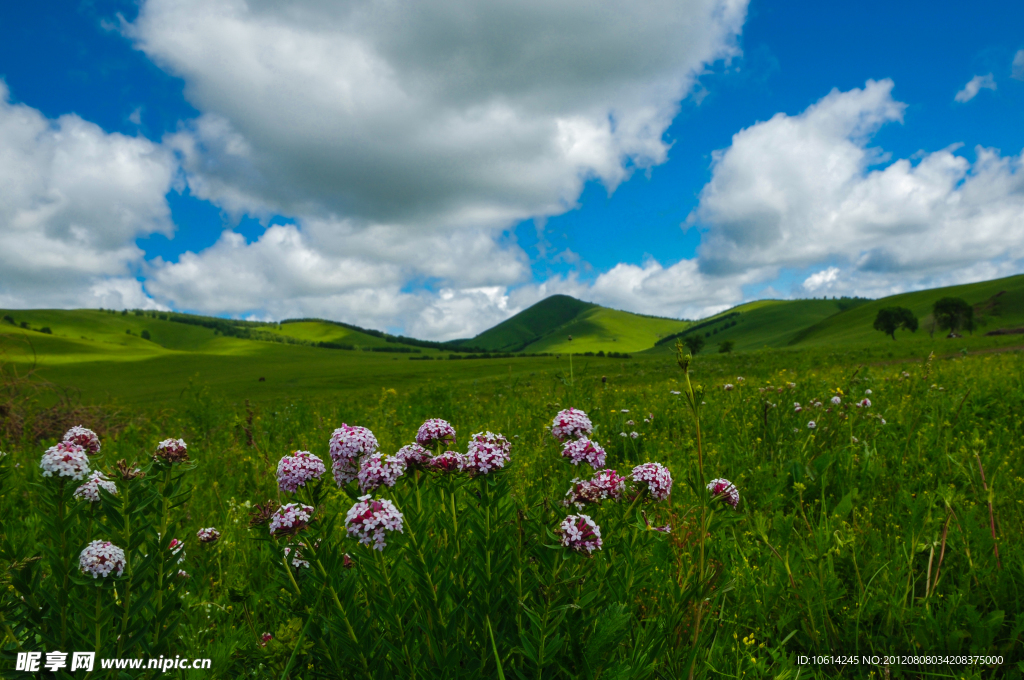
876, 540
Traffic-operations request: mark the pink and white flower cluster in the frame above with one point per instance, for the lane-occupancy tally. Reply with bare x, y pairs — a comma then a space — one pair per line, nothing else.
571, 424
447, 462
486, 452
413, 455
580, 533
370, 520
66, 460
297, 560
435, 433
101, 558
604, 485
298, 469
208, 535
377, 470
85, 438
290, 519
172, 450
177, 548
584, 451
90, 490
350, 443
656, 478
726, 490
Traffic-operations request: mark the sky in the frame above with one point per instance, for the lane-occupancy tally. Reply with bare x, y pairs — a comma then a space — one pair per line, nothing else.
434, 168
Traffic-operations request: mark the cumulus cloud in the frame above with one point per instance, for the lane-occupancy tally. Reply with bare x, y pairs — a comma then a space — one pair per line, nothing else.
74, 199
1017, 68
972, 88
797, 191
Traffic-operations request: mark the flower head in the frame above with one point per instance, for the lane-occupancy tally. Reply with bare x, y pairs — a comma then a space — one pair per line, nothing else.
728, 387
486, 452
100, 558
208, 535
413, 455
571, 424
836, 400
183, 574
580, 533
177, 548
634, 435
377, 470
811, 425
726, 490
85, 438
171, 451
348, 444
67, 460
290, 519
265, 638
865, 403
447, 462
90, 490
298, 469
604, 485
867, 391
370, 520
655, 477
297, 560
434, 433
584, 451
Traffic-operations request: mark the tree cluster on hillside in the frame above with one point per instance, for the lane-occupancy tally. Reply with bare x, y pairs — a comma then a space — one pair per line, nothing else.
891, 319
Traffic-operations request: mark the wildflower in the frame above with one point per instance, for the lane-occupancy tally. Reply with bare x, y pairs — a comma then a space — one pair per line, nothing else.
90, 490
348, 444
604, 485
571, 424
622, 434
811, 425
265, 638
447, 462
740, 379
85, 438
128, 472
867, 391
882, 420
171, 451
657, 478
728, 387
865, 402
584, 451
67, 460
487, 452
369, 520
297, 560
634, 435
674, 392
797, 407
377, 469
208, 535
290, 519
298, 469
854, 440
630, 423
434, 433
177, 548
580, 533
100, 558
726, 490
183, 574
261, 513
625, 410
792, 385
413, 455
836, 400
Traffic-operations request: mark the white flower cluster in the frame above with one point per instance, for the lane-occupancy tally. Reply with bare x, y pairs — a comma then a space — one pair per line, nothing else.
369, 520
290, 518
728, 387
100, 558
580, 533
377, 470
571, 424
487, 452
208, 535
85, 438
298, 469
584, 451
726, 489
90, 490
172, 450
177, 549
435, 432
66, 460
350, 443
656, 477
297, 560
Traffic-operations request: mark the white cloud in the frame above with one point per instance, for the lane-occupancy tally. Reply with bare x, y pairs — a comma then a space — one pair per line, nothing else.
794, 192
972, 88
74, 198
1017, 68
821, 280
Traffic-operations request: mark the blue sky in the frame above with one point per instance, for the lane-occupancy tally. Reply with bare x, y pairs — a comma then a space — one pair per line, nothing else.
434, 170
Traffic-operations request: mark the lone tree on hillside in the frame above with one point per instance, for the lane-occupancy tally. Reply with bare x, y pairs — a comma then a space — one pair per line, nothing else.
725, 346
953, 314
891, 319
694, 343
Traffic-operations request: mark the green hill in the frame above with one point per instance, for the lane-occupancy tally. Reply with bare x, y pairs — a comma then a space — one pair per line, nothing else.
531, 324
